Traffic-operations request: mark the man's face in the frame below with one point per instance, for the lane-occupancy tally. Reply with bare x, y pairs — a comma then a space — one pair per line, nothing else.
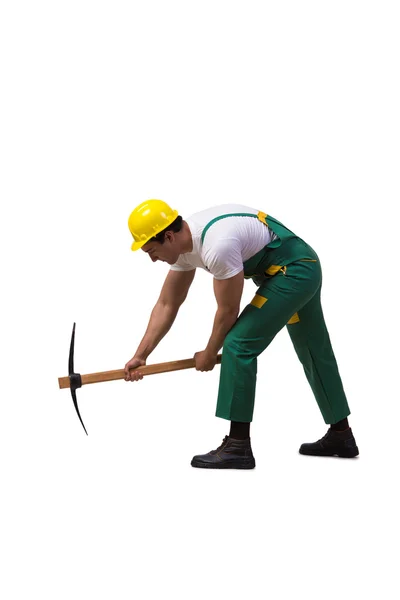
167, 252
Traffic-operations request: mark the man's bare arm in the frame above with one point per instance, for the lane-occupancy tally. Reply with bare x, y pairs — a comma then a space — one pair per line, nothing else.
173, 294
228, 293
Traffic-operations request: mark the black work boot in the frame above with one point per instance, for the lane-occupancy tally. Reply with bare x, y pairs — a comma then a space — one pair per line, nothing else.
334, 443
232, 454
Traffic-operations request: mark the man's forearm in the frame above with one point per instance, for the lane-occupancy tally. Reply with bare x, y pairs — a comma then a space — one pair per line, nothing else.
161, 320
223, 322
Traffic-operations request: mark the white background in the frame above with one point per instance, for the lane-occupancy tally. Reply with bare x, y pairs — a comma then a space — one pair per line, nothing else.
289, 107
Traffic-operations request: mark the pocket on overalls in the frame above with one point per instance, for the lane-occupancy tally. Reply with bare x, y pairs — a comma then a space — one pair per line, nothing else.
274, 270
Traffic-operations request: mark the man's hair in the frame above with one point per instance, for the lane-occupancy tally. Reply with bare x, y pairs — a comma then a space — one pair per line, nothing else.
175, 226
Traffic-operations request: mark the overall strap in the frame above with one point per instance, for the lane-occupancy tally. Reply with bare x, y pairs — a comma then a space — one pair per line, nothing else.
261, 216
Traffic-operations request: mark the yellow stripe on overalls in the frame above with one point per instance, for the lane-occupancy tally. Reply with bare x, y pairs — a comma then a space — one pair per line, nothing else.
294, 319
258, 301
274, 269
262, 217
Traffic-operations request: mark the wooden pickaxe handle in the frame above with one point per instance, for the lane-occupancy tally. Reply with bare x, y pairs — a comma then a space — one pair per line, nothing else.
175, 365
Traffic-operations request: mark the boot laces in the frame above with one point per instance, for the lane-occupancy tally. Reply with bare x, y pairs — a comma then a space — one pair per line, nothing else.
221, 446
325, 436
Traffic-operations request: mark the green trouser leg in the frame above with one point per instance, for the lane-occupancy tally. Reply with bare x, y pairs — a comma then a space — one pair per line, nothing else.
311, 341
277, 300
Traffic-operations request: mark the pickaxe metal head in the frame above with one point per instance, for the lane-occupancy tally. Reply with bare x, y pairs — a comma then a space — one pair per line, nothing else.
74, 378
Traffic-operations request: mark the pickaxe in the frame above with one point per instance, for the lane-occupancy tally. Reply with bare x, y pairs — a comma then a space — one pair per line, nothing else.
75, 380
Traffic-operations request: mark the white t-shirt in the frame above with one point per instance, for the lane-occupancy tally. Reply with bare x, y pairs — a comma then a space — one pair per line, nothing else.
228, 243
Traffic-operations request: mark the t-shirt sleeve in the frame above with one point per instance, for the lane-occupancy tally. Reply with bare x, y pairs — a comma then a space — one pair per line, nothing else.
223, 257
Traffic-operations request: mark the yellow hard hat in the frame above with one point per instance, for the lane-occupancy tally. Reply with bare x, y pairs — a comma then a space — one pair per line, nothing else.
148, 219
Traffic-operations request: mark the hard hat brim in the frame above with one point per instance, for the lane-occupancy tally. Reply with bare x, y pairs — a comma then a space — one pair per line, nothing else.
138, 245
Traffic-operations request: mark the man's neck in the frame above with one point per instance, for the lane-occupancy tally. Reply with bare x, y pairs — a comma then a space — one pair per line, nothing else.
187, 240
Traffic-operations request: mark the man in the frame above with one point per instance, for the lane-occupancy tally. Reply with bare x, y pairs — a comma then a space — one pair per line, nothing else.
234, 243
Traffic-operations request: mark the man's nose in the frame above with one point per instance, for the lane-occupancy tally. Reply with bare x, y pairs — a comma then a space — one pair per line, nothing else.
154, 258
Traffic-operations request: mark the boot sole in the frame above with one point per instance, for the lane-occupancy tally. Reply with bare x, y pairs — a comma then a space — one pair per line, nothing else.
223, 465
350, 453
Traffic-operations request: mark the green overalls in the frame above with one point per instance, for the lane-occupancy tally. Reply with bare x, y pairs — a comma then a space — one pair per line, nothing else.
289, 278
